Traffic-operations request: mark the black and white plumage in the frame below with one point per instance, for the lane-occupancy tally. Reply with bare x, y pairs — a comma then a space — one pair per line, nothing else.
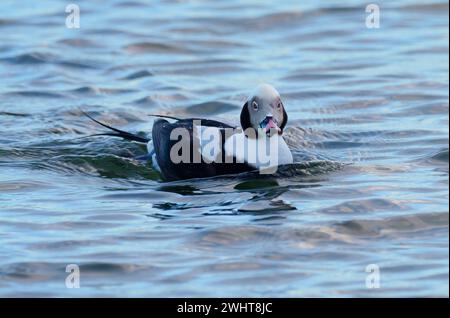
162, 146
210, 148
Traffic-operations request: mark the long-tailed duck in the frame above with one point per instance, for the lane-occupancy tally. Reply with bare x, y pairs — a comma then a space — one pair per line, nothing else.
199, 148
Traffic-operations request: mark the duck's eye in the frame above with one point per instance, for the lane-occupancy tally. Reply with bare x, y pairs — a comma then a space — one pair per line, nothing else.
255, 105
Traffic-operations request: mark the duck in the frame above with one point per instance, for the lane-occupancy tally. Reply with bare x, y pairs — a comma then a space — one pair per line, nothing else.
190, 148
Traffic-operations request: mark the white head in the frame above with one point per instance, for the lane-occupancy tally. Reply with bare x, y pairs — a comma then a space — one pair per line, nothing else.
264, 109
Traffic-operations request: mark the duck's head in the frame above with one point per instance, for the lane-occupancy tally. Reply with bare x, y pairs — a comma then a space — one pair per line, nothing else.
264, 109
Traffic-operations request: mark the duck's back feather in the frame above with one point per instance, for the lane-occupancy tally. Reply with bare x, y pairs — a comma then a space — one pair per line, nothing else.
162, 144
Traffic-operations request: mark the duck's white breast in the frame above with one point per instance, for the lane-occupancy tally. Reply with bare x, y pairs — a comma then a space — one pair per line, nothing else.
260, 152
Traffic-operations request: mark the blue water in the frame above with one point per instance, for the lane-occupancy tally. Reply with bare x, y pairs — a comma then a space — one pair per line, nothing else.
368, 126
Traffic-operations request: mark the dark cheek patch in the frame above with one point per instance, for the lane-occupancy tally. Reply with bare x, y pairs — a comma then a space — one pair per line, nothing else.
245, 117
285, 119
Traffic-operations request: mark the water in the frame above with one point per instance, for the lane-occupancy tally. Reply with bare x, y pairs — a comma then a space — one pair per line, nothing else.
368, 126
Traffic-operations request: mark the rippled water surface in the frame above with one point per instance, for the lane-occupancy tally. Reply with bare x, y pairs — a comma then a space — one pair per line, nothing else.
368, 127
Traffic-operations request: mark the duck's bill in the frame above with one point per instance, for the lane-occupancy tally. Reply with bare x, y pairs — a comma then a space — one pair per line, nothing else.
270, 127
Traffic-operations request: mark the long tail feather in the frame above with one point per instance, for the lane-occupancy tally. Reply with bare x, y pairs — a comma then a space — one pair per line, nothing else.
164, 116
117, 132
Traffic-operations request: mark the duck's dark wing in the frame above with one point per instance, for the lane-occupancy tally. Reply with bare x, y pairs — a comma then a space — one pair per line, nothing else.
162, 143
